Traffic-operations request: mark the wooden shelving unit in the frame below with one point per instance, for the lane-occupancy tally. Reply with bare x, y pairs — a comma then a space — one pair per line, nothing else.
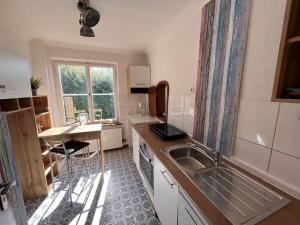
24, 117
43, 122
288, 66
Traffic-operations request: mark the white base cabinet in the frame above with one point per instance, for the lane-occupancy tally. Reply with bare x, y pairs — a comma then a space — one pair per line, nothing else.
187, 214
165, 194
136, 148
171, 204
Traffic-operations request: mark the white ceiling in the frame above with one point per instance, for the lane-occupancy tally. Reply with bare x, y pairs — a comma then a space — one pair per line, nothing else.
125, 24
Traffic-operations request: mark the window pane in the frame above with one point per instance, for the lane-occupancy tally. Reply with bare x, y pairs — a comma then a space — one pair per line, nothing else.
104, 107
75, 105
102, 79
73, 79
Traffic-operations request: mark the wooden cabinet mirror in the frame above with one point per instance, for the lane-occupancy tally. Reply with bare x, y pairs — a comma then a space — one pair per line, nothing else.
159, 100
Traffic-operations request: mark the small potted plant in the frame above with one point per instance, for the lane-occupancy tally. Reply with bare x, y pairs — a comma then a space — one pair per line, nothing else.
36, 83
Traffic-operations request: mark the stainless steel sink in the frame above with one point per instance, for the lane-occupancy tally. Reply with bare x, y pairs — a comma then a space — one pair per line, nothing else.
239, 198
190, 158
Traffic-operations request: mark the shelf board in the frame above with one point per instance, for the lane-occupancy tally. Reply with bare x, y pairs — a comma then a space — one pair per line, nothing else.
45, 152
48, 167
42, 114
286, 100
293, 40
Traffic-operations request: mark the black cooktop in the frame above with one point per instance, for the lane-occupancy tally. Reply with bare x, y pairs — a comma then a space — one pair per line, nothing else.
166, 131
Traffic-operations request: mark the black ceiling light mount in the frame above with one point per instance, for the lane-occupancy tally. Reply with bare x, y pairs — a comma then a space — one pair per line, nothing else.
89, 17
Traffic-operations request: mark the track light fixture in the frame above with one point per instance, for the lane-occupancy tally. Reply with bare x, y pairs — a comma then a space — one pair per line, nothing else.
89, 17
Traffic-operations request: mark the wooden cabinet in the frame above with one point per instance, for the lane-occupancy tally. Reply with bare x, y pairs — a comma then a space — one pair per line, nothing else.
139, 79
165, 194
135, 148
27, 153
287, 80
24, 117
187, 214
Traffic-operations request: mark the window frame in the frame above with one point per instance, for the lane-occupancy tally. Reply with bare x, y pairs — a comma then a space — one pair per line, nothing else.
89, 93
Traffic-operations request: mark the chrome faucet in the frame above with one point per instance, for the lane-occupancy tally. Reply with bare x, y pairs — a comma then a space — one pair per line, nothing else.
218, 159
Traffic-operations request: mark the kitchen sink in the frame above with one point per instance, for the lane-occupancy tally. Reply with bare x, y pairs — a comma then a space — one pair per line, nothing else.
190, 158
239, 198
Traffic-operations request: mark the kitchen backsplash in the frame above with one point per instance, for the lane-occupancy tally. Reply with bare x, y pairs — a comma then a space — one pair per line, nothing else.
181, 112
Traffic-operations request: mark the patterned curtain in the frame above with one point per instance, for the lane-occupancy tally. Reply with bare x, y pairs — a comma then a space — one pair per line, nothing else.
223, 35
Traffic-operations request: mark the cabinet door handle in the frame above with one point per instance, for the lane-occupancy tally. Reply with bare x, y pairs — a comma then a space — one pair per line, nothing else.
190, 215
170, 183
143, 154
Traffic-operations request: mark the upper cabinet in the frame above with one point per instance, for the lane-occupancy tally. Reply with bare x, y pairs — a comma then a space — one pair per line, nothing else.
139, 79
287, 81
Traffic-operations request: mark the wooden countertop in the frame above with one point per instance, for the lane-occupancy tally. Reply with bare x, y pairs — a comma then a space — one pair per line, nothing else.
69, 130
289, 215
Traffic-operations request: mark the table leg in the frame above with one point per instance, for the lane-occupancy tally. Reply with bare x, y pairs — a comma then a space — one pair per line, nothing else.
101, 157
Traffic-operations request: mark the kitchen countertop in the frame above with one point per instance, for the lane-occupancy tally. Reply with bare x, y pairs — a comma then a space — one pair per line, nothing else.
136, 118
289, 215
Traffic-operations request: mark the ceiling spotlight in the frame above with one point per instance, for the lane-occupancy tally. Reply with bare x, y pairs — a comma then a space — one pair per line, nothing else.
89, 17
86, 31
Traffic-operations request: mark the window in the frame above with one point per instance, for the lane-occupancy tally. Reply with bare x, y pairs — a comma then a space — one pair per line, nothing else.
87, 89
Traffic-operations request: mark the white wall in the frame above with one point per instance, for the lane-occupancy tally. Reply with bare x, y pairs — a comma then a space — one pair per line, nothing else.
41, 53
174, 57
267, 140
39, 64
14, 65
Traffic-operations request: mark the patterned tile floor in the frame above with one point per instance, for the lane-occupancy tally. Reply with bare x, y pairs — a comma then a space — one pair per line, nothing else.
118, 200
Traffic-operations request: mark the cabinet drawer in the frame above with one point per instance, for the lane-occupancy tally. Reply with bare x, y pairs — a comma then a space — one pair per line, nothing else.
187, 214
165, 194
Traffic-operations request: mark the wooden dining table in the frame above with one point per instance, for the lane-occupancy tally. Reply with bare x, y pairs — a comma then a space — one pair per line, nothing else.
80, 133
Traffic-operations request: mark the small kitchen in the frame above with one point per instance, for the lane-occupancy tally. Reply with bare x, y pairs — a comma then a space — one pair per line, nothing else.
150, 112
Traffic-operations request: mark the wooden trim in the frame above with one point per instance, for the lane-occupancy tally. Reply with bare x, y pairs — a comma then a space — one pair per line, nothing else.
279, 65
286, 100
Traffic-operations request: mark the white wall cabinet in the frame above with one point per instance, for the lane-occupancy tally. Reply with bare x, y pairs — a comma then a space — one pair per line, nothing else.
165, 194
187, 214
135, 148
139, 76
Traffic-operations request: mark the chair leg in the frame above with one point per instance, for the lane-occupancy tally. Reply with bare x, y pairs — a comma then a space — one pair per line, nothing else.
89, 161
69, 179
52, 174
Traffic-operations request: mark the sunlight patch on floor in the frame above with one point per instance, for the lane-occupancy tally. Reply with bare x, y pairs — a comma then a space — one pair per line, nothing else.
48, 206
81, 218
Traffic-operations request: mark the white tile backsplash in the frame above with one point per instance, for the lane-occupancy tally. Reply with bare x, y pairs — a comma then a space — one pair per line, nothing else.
179, 106
179, 123
256, 121
285, 168
288, 129
188, 127
181, 112
189, 104
253, 154
267, 141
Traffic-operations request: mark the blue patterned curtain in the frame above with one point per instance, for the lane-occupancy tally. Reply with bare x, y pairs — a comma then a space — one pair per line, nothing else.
224, 26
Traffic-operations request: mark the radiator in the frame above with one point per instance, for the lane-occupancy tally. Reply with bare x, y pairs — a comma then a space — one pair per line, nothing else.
111, 138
